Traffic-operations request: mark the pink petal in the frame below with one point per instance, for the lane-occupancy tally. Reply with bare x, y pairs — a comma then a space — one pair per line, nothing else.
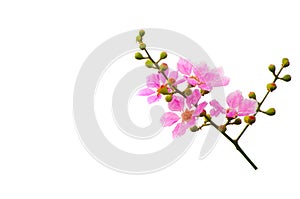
184, 66
247, 107
145, 92
193, 98
153, 81
191, 81
234, 99
201, 70
179, 130
179, 82
231, 113
153, 98
173, 74
162, 78
217, 108
169, 119
177, 103
200, 108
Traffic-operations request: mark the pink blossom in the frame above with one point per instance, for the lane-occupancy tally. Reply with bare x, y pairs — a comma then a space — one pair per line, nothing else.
193, 98
173, 77
184, 66
237, 106
188, 118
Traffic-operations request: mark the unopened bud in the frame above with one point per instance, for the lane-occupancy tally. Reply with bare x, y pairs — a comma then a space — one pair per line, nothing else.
249, 119
142, 46
194, 128
272, 68
142, 33
138, 55
285, 62
169, 98
270, 111
286, 78
163, 55
163, 67
149, 63
237, 121
222, 128
188, 91
163, 90
271, 87
203, 113
252, 95
139, 39
204, 92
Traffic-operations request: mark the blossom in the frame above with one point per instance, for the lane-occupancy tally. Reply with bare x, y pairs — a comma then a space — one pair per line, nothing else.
237, 106
186, 119
157, 84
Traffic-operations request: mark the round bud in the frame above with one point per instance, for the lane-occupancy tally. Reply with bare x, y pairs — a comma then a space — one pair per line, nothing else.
203, 113
194, 128
271, 87
272, 68
237, 121
204, 92
270, 111
139, 39
286, 78
142, 46
188, 91
249, 119
149, 63
222, 128
138, 55
142, 33
285, 62
163, 67
163, 90
163, 55
168, 98
252, 95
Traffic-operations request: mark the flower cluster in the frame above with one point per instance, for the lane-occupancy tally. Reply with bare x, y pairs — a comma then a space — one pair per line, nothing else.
188, 106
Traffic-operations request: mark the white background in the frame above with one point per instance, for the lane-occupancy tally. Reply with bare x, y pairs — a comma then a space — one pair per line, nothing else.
42, 47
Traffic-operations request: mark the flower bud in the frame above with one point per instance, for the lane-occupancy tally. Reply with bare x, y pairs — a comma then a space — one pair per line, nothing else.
142, 46
138, 55
286, 78
237, 121
249, 119
149, 63
163, 90
194, 128
272, 68
271, 87
188, 91
204, 92
270, 111
163, 67
285, 62
163, 55
169, 98
203, 113
207, 118
222, 128
252, 95
142, 33
139, 39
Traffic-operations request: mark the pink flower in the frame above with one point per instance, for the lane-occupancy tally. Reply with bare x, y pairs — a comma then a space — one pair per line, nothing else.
184, 66
193, 98
237, 106
188, 117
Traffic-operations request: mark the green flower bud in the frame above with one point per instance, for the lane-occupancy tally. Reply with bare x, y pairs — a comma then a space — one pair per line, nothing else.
149, 63
138, 56
270, 111
163, 67
163, 55
271, 87
252, 95
286, 78
222, 128
163, 90
285, 62
237, 121
272, 68
194, 128
142, 33
139, 39
142, 46
188, 91
169, 98
249, 119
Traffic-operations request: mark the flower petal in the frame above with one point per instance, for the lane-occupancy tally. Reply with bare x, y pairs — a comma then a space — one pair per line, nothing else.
179, 130
200, 108
177, 103
234, 99
217, 108
169, 119
247, 107
231, 113
153, 81
153, 98
145, 92
173, 74
184, 66
193, 98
